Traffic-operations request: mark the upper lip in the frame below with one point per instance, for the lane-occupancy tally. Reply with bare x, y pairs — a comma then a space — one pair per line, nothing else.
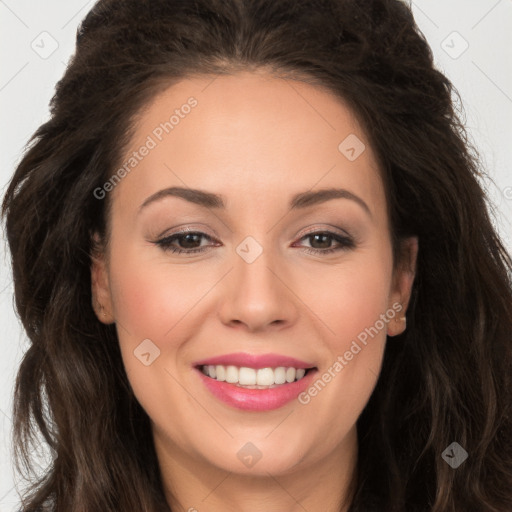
255, 361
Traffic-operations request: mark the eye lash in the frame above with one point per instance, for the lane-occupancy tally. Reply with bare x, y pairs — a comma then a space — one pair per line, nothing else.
345, 243
165, 243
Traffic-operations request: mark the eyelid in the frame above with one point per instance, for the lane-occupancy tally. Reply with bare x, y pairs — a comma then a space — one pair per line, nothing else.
329, 228
345, 241
315, 229
194, 228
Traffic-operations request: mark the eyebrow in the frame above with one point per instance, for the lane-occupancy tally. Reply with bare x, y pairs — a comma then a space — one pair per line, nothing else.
298, 201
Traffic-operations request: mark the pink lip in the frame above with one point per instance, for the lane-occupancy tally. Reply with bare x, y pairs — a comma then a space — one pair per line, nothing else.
255, 361
257, 399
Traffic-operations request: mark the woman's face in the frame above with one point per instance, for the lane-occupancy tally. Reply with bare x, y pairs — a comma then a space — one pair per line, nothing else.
288, 256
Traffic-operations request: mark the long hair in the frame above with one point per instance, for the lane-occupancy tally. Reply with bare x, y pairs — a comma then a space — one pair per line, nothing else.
446, 379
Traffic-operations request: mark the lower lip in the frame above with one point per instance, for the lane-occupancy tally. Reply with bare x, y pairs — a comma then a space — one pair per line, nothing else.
257, 399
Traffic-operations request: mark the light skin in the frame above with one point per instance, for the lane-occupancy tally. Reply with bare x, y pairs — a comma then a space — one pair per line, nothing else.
257, 141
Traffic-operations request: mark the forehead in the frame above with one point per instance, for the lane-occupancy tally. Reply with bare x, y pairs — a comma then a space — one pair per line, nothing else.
249, 133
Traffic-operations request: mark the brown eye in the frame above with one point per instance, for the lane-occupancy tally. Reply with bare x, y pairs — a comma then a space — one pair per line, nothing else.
321, 242
184, 242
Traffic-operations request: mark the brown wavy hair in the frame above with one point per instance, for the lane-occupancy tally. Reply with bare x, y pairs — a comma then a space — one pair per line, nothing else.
446, 378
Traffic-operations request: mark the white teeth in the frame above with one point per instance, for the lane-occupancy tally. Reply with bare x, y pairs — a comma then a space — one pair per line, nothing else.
280, 375
265, 377
221, 373
251, 377
231, 374
247, 376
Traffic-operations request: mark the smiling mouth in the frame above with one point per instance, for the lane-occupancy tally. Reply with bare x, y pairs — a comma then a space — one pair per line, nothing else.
252, 378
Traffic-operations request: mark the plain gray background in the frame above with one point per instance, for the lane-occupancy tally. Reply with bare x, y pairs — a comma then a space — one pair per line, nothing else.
472, 44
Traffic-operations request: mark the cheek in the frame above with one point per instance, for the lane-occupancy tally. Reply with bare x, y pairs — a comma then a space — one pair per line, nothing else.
353, 311
350, 298
150, 297
153, 301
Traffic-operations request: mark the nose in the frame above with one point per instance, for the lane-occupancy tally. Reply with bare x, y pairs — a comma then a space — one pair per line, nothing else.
258, 295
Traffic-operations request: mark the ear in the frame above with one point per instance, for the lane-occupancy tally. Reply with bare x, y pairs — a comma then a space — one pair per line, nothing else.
100, 284
403, 279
